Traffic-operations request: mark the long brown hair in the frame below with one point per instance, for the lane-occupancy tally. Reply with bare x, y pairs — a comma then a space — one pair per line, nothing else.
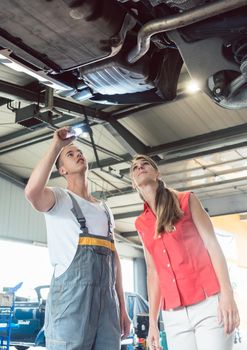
167, 208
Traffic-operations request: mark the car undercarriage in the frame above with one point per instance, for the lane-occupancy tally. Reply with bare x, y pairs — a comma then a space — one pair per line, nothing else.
129, 52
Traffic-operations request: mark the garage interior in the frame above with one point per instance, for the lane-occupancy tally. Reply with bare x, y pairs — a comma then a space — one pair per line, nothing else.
198, 145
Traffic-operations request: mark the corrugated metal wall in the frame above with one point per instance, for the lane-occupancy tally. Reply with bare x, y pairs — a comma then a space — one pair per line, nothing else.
18, 220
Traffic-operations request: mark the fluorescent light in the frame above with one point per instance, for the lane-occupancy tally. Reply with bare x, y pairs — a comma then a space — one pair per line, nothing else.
39, 75
192, 87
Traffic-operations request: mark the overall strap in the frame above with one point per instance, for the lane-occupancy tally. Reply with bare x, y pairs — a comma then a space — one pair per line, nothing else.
110, 224
76, 210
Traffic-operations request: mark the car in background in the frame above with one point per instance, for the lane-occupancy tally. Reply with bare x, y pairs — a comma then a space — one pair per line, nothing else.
128, 51
28, 319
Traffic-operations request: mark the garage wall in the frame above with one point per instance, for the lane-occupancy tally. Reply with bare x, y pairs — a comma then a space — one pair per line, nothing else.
18, 220
227, 204
140, 277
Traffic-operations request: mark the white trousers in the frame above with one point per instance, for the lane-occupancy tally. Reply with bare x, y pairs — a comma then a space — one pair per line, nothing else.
196, 327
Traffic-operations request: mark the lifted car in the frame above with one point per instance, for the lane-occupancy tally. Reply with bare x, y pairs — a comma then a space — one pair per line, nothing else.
123, 52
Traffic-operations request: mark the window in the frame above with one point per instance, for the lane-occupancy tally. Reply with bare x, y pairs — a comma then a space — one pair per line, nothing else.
21, 262
128, 274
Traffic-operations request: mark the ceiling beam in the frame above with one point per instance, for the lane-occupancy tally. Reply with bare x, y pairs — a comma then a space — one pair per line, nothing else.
14, 179
233, 183
130, 142
175, 151
4, 101
17, 92
130, 110
219, 138
26, 131
48, 136
112, 193
234, 203
130, 214
226, 204
200, 145
124, 136
216, 141
183, 153
129, 234
103, 163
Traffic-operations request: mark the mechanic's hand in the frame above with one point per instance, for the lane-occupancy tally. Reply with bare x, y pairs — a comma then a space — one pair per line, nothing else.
63, 137
154, 338
228, 312
125, 325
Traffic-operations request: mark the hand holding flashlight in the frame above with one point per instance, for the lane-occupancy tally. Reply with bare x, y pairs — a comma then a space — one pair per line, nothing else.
70, 132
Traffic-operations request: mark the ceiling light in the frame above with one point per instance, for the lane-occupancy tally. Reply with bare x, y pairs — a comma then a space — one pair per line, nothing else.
192, 87
9, 61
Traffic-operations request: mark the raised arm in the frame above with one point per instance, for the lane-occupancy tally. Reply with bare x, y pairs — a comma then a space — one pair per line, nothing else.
41, 197
228, 312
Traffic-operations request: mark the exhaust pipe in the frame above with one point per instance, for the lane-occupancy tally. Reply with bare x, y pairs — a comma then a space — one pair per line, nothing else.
179, 21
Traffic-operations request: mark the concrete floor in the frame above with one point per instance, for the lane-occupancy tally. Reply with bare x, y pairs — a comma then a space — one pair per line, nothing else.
235, 347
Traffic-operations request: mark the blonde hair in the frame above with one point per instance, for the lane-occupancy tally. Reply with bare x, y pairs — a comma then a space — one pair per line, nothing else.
167, 207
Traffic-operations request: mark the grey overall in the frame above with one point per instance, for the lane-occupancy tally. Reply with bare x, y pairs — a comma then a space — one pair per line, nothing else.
82, 311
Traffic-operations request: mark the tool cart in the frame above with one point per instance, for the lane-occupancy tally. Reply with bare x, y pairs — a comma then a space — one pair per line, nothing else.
7, 305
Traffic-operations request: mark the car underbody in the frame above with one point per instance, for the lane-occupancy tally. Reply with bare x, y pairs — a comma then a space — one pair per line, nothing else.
129, 52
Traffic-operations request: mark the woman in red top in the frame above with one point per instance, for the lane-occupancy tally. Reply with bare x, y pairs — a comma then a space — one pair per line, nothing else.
187, 275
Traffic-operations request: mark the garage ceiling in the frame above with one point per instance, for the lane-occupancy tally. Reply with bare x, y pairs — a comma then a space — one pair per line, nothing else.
198, 145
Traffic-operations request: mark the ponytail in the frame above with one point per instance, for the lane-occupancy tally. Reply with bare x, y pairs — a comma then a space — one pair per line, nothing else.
167, 209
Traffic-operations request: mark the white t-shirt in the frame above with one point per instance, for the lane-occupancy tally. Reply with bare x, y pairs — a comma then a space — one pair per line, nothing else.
63, 228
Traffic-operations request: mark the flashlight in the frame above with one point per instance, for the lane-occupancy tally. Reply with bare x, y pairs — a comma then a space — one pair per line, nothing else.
77, 131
